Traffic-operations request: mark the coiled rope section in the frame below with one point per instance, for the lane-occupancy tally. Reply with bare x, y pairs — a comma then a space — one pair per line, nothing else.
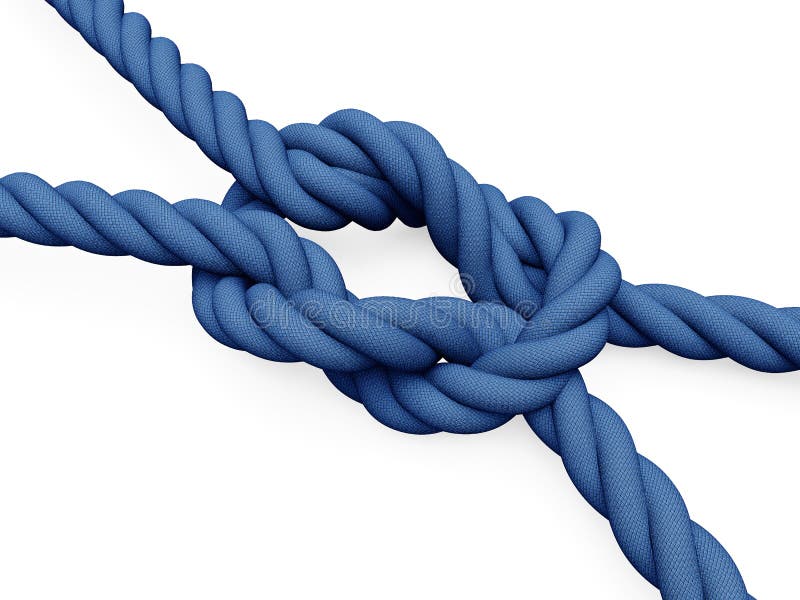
545, 297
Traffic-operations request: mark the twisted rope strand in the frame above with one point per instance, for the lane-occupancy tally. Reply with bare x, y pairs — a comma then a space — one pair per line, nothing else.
353, 167
647, 514
259, 287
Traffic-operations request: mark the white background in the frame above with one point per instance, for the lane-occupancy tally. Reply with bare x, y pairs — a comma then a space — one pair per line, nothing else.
140, 459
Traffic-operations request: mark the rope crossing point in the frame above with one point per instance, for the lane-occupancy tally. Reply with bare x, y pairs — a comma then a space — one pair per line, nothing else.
545, 297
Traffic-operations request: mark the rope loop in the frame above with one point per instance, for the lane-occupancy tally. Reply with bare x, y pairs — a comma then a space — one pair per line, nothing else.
426, 365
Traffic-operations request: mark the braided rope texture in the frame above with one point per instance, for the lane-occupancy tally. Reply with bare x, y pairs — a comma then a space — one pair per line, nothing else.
545, 299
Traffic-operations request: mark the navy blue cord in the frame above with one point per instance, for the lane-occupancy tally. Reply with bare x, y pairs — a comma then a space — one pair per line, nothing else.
545, 297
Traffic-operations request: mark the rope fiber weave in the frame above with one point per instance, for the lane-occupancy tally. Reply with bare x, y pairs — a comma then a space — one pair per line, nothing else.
545, 298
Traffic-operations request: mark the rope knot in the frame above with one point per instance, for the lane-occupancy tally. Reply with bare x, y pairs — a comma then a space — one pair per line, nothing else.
537, 314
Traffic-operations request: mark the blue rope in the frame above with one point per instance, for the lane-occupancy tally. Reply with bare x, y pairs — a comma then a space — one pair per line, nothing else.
545, 297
